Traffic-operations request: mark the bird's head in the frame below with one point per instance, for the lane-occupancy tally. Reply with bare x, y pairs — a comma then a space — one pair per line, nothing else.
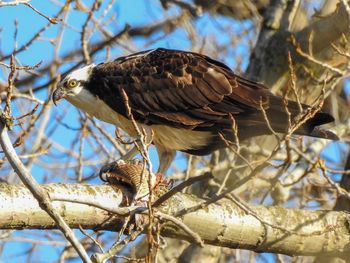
72, 84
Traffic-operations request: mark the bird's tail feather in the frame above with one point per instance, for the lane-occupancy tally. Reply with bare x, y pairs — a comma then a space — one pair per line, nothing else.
322, 133
310, 127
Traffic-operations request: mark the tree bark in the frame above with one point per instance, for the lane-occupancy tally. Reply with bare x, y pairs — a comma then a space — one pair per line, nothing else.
269, 61
264, 229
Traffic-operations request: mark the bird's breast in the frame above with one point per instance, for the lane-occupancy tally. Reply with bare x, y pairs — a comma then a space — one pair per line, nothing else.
97, 108
169, 137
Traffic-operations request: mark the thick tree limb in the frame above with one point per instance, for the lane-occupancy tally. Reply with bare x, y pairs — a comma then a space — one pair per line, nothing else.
20, 210
223, 224
342, 204
269, 63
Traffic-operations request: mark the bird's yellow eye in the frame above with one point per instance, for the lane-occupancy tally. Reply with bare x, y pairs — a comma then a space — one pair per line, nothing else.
72, 83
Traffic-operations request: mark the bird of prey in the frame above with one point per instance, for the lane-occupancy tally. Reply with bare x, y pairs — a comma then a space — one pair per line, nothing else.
185, 101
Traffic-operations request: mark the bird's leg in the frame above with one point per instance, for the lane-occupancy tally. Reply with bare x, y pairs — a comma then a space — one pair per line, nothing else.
130, 154
166, 157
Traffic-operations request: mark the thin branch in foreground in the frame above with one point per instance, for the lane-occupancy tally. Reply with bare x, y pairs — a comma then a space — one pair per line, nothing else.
14, 3
162, 216
21, 67
180, 187
40, 194
145, 137
85, 233
298, 49
50, 19
36, 36
112, 252
84, 37
10, 80
293, 84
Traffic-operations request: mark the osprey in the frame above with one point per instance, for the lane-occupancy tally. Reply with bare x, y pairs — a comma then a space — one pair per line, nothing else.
184, 101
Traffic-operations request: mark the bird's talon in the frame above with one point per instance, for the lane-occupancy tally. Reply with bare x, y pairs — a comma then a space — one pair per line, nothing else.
120, 162
103, 176
107, 168
104, 170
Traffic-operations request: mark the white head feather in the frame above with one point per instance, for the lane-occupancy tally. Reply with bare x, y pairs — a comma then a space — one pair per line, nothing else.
82, 74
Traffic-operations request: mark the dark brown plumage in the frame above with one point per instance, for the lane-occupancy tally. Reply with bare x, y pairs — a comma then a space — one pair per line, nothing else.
186, 100
192, 91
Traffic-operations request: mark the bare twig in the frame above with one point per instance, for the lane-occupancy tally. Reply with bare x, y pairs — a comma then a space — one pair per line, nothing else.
37, 191
293, 82
84, 38
145, 137
179, 188
122, 211
10, 87
39, 33
50, 19
91, 238
102, 257
196, 237
14, 3
193, 9
20, 67
309, 57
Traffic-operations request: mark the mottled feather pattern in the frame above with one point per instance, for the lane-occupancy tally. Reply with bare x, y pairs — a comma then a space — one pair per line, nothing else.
191, 91
164, 83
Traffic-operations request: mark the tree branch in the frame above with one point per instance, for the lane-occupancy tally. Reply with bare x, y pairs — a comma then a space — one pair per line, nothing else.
269, 60
40, 195
14, 3
221, 224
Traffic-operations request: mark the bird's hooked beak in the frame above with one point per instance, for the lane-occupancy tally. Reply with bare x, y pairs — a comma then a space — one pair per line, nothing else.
59, 93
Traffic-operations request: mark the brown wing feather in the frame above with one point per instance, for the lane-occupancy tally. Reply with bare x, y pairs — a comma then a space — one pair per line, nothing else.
189, 90
183, 88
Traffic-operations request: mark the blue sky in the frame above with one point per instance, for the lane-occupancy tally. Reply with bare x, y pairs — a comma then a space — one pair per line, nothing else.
135, 13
